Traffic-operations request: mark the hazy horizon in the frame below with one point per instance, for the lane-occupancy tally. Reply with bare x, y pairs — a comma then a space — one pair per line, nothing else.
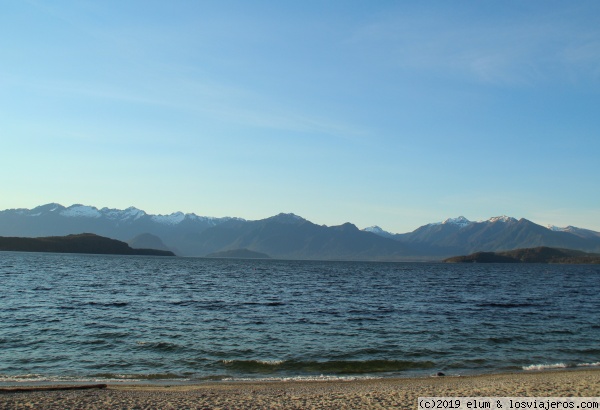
395, 114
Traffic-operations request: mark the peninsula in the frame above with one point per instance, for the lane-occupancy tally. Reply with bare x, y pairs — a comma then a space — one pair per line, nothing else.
540, 254
80, 243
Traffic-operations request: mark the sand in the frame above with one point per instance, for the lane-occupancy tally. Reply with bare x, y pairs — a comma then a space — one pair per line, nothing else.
397, 393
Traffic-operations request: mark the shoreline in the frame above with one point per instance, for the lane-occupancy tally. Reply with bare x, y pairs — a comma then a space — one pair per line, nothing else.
161, 382
397, 392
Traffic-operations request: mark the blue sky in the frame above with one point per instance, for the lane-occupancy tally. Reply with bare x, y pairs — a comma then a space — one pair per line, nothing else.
395, 113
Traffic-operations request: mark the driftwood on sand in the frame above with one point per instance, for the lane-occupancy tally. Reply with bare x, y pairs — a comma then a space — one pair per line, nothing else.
51, 388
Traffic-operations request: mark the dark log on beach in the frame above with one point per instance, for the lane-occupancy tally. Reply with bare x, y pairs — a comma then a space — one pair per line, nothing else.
48, 388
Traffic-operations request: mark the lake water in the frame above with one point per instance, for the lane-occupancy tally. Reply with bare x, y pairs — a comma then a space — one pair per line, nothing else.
91, 317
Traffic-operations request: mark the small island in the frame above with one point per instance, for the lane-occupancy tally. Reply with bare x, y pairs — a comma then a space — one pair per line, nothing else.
239, 254
79, 243
540, 254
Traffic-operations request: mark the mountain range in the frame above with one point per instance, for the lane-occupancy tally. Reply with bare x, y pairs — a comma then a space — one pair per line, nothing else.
288, 236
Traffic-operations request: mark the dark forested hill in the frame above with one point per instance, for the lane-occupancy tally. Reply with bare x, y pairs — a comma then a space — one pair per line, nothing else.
81, 243
530, 255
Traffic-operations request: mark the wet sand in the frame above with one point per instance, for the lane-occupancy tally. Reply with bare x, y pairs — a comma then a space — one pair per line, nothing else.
396, 393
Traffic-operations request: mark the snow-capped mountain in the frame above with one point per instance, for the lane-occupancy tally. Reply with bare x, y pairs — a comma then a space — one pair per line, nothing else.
177, 230
503, 218
462, 222
584, 233
378, 231
127, 215
461, 236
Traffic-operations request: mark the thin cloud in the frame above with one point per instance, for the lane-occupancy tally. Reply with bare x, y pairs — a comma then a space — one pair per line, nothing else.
222, 102
491, 51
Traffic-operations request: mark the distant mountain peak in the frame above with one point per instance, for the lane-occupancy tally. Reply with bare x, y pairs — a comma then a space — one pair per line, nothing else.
374, 229
287, 218
51, 207
133, 210
584, 233
39, 210
555, 228
347, 226
133, 213
171, 219
378, 231
81, 211
460, 221
502, 218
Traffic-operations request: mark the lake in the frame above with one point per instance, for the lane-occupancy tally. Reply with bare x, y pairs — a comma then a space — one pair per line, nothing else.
67, 317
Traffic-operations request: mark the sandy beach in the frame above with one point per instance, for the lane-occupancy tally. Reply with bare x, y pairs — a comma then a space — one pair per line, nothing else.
397, 393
